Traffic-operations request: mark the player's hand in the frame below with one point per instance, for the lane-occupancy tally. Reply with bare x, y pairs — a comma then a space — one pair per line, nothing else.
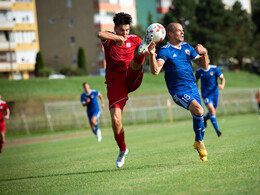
151, 49
87, 100
200, 49
103, 106
120, 41
6, 117
220, 87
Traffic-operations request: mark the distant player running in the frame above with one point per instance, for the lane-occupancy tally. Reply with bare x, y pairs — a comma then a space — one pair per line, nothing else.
3, 117
124, 73
89, 99
209, 75
176, 57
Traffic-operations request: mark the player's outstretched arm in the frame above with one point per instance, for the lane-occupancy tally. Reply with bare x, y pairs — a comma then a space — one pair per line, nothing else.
7, 116
223, 82
105, 35
155, 66
203, 59
102, 100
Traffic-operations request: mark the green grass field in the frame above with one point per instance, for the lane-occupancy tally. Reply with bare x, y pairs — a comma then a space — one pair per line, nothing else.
161, 160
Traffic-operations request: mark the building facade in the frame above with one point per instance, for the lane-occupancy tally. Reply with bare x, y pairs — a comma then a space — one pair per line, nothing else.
19, 41
64, 27
103, 18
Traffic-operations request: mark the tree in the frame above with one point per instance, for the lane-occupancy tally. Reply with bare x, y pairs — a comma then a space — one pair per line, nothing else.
150, 18
243, 30
82, 60
256, 20
39, 65
183, 12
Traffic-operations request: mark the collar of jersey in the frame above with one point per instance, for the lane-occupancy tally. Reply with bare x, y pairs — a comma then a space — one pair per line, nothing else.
89, 92
206, 70
174, 46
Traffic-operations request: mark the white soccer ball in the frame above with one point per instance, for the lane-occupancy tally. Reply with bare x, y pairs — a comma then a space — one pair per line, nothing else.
158, 32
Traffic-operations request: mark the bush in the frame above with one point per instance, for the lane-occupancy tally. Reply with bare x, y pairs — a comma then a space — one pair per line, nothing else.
68, 71
65, 70
45, 72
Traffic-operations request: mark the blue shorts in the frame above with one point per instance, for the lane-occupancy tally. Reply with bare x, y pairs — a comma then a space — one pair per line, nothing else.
184, 99
95, 114
211, 99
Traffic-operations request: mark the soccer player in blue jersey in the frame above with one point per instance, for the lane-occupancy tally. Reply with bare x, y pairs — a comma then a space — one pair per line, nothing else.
209, 75
89, 99
175, 57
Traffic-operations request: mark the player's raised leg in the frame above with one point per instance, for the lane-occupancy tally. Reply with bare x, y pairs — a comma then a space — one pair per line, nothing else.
199, 129
119, 135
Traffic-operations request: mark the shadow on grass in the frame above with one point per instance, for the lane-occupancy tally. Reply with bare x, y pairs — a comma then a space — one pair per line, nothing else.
92, 172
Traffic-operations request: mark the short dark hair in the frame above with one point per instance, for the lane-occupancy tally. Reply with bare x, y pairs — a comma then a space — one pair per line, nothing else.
84, 83
122, 18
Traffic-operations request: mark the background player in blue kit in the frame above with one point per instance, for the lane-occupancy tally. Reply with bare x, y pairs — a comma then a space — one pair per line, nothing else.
209, 90
89, 99
176, 58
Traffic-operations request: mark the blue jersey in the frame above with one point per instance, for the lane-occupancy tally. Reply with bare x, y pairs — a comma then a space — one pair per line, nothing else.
178, 68
92, 106
209, 80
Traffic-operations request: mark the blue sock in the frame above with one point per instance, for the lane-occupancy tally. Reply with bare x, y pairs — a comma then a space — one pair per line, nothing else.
206, 117
214, 122
198, 127
96, 128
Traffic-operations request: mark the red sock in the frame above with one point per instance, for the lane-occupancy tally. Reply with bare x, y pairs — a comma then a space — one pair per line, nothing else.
139, 59
2, 145
120, 140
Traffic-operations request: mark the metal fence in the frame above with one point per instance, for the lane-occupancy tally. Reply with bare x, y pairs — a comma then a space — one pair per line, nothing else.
143, 109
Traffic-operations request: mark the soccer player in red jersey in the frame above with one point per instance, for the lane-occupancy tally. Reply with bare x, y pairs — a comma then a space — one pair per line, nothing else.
3, 107
124, 73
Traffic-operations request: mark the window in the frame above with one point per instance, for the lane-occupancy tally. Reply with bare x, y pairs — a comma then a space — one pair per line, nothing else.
74, 59
69, 4
71, 24
52, 21
56, 58
72, 40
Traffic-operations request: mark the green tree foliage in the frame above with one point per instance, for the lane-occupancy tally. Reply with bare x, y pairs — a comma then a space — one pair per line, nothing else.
256, 20
224, 32
82, 60
243, 31
39, 66
138, 30
150, 18
183, 12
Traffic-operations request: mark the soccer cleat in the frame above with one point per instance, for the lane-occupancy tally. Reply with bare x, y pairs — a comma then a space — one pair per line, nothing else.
199, 146
147, 40
219, 133
121, 158
99, 137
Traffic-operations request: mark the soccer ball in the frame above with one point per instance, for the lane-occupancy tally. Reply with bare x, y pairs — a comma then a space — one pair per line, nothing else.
158, 32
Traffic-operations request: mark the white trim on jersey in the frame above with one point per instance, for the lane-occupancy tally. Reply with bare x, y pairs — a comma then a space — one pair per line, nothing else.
117, 101
206, 70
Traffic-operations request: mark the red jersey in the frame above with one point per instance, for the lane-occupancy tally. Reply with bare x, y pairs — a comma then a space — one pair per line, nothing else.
3, 106
118, 57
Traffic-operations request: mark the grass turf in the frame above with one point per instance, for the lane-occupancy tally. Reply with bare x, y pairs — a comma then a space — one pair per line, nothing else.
161, 160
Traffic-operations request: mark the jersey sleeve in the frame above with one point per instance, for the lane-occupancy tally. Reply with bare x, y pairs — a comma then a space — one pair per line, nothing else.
96, 92
162, 54
193, 53
5, 106
218, 72
83, 98
105, 43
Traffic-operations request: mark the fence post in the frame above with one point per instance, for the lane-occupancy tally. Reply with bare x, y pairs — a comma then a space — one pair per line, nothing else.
170, 110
